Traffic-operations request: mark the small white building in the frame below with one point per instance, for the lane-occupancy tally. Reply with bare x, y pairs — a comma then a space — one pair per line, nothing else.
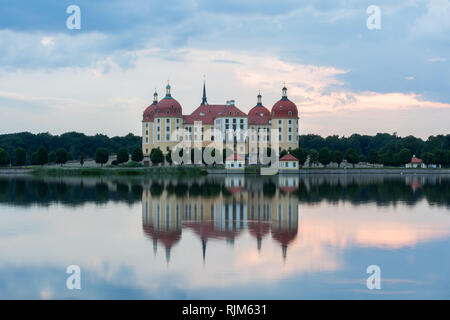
415, 163
235, 161
288, 162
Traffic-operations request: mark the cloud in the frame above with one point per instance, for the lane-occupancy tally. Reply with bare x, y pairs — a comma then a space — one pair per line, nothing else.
435, 22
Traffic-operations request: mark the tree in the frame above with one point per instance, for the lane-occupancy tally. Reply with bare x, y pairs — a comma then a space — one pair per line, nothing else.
122, 156
169, 156
42, 156
374, 157
300, 154
101, 156
404, 156
362, 158
156, 155
283, 153
427, 158
137, 155
82, 156
439, 157
338, 157
325, 156
313, 157
52, 157
61, 156
4, 157
21, 156
352, 156
34, 158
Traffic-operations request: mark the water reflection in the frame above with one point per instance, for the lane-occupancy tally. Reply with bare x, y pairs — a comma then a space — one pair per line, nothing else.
222, 212
225, 236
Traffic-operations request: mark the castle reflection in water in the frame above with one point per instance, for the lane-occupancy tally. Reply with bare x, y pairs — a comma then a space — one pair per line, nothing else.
221, 211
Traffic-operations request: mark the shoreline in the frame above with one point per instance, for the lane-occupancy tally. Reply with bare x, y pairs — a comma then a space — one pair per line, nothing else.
198, 171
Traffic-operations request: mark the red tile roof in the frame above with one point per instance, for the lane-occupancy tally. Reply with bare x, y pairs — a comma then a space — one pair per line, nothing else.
288, 157
258, 115
416, 160
206, 113
235, 157
284, 108
168, 107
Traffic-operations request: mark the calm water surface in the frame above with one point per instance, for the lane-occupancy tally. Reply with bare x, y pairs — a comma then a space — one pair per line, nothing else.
225, 237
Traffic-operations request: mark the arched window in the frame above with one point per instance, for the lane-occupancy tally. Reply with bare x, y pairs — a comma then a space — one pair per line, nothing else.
290, 113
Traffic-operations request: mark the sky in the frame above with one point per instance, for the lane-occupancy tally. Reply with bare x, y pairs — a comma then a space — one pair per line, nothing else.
344, 77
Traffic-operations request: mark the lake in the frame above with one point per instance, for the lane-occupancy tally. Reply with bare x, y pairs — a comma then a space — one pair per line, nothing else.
226, 237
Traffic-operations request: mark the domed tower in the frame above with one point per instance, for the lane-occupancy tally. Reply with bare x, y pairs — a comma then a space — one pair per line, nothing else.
259, 123
147, 125
168, 119
285, 120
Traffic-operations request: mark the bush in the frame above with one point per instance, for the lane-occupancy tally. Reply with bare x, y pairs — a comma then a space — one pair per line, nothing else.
4, 158
101, 156
137, 155
123, 156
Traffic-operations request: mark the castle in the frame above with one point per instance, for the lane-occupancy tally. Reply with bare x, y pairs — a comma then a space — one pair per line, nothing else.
165, 117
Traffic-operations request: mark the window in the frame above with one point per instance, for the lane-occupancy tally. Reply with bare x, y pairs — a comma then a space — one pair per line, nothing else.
178, 121
167, 148
279, 137
289, 138
289, 121
158, 129
146, 140
158, 137
290, 129
167, 120
280, 122
146, 150
286, 164
159, 120
242, 120
167, 137
146, 125
146, 132
290, 113
279, 130
167, 128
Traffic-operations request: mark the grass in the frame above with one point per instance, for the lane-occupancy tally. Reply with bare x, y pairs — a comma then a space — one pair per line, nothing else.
107, 171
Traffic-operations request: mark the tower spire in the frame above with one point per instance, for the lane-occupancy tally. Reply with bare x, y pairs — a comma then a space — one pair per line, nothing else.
204, 100
155, 97
259, 99
284, 90
168, 95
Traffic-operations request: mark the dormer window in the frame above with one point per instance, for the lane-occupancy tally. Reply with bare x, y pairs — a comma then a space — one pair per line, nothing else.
290, 113
202, 114
262, 114
281, 107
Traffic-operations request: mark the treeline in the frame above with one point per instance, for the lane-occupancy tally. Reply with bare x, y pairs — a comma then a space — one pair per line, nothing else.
19, 148
75, 143
383, 148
